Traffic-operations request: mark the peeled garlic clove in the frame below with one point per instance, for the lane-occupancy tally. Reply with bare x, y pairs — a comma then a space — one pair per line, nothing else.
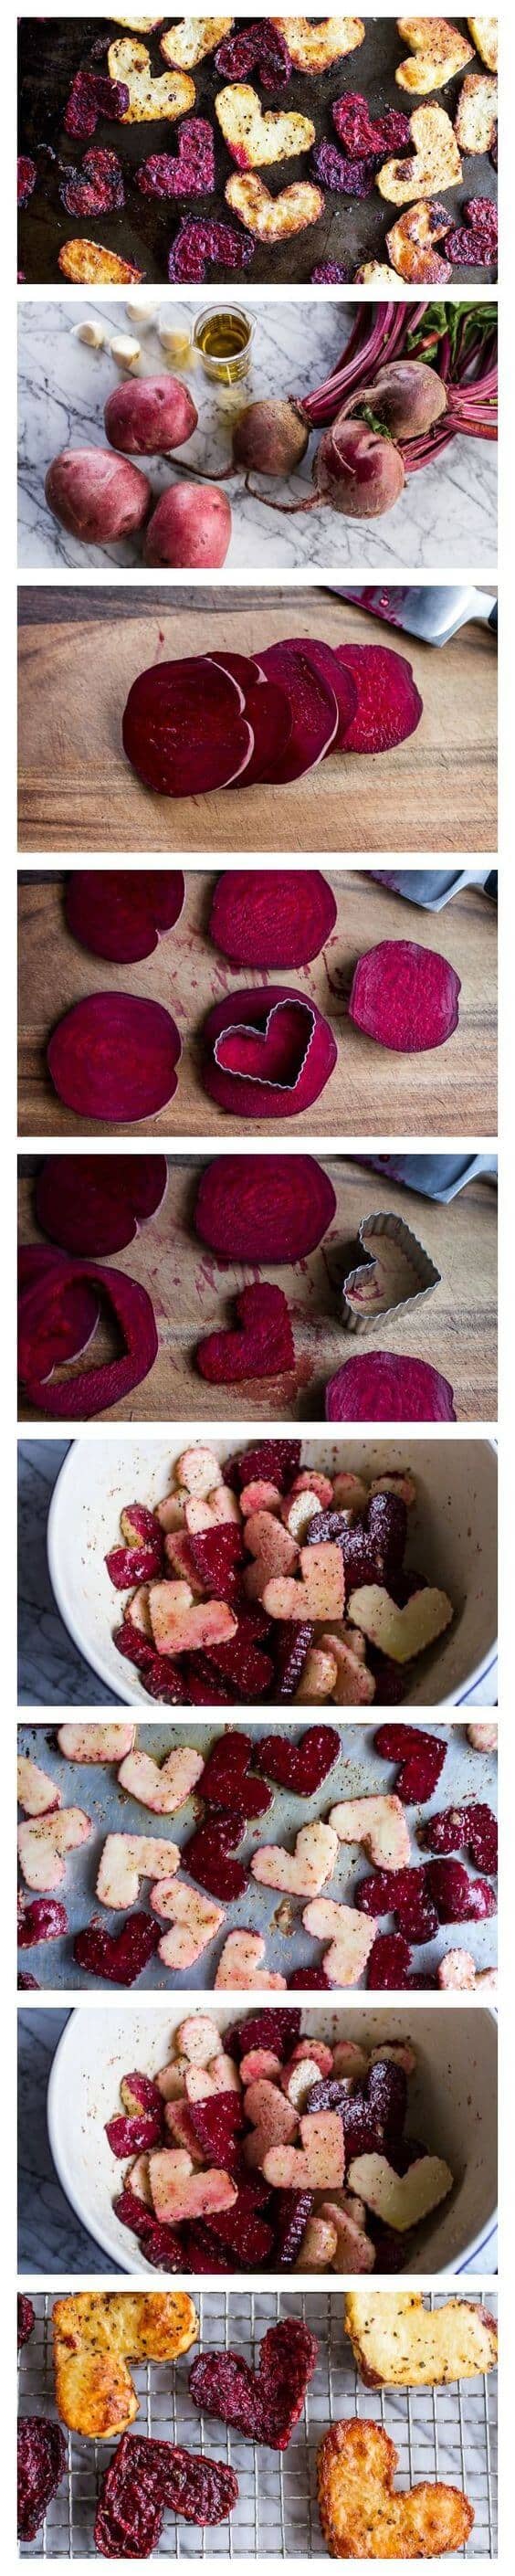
176, 343
91, 333
125, 352
141, 313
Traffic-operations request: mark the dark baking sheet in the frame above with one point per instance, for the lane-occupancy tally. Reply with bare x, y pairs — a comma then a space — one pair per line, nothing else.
349, 231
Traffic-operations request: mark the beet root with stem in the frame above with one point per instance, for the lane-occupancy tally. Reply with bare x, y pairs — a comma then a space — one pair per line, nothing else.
356, 472
408, 398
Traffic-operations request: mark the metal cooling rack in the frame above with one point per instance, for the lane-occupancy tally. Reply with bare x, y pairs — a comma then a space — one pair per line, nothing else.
447, 2433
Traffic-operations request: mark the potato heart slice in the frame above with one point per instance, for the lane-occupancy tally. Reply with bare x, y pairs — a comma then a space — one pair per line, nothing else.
149, 100
398, 2343
439, 52
435, 161
189, 40
314, 44
400, 1633
273, 218
361, 2517
255, 139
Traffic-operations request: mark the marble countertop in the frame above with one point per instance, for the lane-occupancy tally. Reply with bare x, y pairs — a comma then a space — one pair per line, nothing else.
51, 1673
446, 513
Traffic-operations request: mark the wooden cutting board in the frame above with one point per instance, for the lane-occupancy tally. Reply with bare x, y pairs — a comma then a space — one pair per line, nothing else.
193, 1294
450, 1091
81, 653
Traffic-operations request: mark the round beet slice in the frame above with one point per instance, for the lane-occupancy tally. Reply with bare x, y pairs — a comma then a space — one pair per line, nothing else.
95, 1203
114, 1056
121, 913
340, 679
313, 711
264, 1207
73, 1308
183, 730
92, 1390
405, 996
268, 714
272, 917
389, 704
377, 1387
268, 1053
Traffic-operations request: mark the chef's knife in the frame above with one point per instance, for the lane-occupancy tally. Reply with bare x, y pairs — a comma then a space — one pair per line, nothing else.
433, 887
433, 615
434, 1176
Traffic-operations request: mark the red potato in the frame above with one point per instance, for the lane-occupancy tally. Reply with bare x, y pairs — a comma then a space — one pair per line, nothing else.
149, 415
95, 495
192, 525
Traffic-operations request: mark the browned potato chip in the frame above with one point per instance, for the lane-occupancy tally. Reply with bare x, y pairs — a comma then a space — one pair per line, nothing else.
476, 114
253, 135
410, 246
186, 43
439, 53
375, 272
138, 26
315, 43
273, 218
484, 35
435, 163
88, 264
149, 99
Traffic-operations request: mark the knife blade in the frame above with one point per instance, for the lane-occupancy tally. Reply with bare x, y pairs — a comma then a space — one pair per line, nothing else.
431, 614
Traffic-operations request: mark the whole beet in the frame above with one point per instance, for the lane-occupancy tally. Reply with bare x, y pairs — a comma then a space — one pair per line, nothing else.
191, 527
148, 415
407, 397
357, 472
270, 438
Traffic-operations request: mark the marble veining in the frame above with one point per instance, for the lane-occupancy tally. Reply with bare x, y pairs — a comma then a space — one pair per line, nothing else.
446, 513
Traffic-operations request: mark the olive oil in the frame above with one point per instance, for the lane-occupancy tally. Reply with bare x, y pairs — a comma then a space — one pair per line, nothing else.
224, 339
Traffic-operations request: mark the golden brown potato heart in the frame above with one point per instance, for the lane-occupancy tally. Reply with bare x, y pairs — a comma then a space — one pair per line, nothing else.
96, 2333
361, 2517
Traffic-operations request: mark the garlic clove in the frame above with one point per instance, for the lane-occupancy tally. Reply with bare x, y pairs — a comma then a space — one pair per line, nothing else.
91, 333
125, 351
141, 311
176, 343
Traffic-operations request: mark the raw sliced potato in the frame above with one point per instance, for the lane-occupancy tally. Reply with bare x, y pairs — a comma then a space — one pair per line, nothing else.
256, 137
149, 100
435, 162
273, 218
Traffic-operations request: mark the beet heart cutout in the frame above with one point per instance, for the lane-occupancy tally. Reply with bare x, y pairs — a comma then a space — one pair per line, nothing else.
190, 172
225, 1779
119, 1956
265, 2404
303, 1766
98, 188
207, 1859
261, 1346
421, 1759
269, 1054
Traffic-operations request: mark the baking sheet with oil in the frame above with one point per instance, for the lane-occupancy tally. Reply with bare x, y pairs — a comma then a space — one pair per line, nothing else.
359, 1771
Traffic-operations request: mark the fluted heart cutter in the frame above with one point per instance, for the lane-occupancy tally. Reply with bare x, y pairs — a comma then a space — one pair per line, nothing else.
396, 1274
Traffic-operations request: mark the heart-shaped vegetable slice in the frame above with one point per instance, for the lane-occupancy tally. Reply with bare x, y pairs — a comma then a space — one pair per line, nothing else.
268, 1053
113, 1057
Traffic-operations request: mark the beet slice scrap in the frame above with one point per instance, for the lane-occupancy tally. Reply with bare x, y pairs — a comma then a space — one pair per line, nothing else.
323, 660
121, 913
272, 917
41, 2465
264, 1207
119, 1956
183, 729
96, 1203
189, 172
389, 704
25, 2319
43, 1920
267, 1053
92, 95
68, 1313
201, 244
347, 178
96, 189
92, 1390
261, 1346
365, 135
380, 1387
405, 996
273, 1462
113, 1057
313, 709
26, 178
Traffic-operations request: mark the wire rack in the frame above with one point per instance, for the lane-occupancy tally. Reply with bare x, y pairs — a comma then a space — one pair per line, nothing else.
447, 2433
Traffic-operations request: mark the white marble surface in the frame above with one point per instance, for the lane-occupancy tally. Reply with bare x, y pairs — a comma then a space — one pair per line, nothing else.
447, 513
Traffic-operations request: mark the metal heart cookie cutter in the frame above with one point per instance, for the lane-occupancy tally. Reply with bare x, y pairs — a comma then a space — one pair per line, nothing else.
396, 1274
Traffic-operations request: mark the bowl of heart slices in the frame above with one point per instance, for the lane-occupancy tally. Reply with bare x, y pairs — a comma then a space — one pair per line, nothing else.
346, 1572
277, 2139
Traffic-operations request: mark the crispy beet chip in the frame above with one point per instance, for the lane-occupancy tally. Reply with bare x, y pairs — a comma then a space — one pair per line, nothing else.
146, 2476
27, 175
328, 274
277, 2029
207, 1856
225, 1779
259, 48
43, 1920
118, 1956
218, 2123
365, 136
264, 2405
291, 2210
41, 2465
471, 1828
421, 1758
25, 2320
405, 1894
218, 1555
93, 95
347, 178
300, 1767
201, 244
190, 172
96, 189
473, 245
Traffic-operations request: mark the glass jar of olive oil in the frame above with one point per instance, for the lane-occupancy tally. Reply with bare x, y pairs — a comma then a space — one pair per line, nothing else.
224, 338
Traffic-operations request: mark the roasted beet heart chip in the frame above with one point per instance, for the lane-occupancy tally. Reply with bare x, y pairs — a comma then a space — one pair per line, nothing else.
405, 996
218, 2124
225, 1780
26, 179
190, 172
98, 188
119, 1956
261, 1346
264, 1207
93, 95
421, 1758
184, 730
122, 913
277, 919
218, 1556
301, 1767
114, 1056
277, 2029
389, 1965
94, 1389
348, 178
405, 1894
471, 1828
292, 1641
365, 136
145, 2477
291, 2212
473, 246
458, 1898
389, 706
131, 2137
207, 1856
272, 1462
264, 2405
41, 2465
380, 1386
201, 244
162, 2246
96, 1203
25, 2319
329, 274
267, 1054
259, 48
43, 1920
313, 708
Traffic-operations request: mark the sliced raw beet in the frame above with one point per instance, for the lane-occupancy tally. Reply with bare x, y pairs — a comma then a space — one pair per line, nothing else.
114, 1057
267, 1053
131, 2137
143, 2478
140, 1563
292, 1640
218, 2124
95, 1389
244, 2229
96, 1203
26, 178
421, 1759
259, 48
162, 2245
121, 913
25, 2320
96, 189
261, 1346
184, 730
405, 1894
43, 1920
389, 705
92, 95
264, 1207
242, 1662
272, 1462
367, 136
228, 1780
347, 178
264, 2405
119, 1956
458, 1898
378, 1386
267, 712
291, 2212
205, 1688
313, 709
390, 1962
405, 996
304, 1979
272, 918
300, 1767
207, 1856
67, 1315
277, 2029
189, 172
201, 244
471, 1828
326, 662
218, 1555
163, 1680
41, 2465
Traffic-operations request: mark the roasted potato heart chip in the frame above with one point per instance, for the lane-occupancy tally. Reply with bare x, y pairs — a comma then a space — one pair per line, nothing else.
439, 52
87, 263
149, 99
410, 245
484, 33
435, 162
398, 2343
255, 138
476, 114
273, 218
315, 43
360, 2514
186, 43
